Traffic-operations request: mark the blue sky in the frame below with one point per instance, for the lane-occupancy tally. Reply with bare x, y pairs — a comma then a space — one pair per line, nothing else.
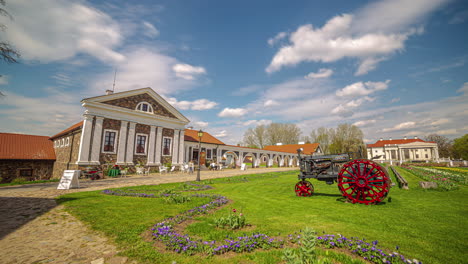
394, 68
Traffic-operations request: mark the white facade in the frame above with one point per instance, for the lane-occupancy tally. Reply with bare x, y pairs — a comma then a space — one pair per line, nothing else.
412, 151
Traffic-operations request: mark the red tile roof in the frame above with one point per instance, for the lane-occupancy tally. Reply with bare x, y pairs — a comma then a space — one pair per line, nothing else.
68, 130
382, 143
26, 147
292, 148
192, 135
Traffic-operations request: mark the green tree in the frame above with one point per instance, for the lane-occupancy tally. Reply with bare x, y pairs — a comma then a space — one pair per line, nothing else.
460, 147
255, 137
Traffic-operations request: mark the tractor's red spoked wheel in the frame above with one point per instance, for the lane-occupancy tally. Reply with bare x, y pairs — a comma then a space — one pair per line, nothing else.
363, 181
304, 188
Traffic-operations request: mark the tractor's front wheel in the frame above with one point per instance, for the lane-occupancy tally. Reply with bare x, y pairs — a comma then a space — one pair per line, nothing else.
304, 188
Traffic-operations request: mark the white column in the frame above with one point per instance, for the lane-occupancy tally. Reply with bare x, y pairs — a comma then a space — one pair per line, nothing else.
122, 143
158, 145
97, 136
175, 147
130, 144
151, 150
85, 141
181, 146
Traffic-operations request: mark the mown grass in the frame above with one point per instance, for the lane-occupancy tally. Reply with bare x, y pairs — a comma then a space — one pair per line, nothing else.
427, 225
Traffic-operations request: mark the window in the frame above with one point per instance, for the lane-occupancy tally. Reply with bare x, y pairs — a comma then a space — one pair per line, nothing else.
109, 141
140, 146
167, 142
67, 141
144, 107
25, 172
208, 153
62, 142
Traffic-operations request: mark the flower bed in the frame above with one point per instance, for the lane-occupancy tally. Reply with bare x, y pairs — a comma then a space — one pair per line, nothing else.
443, 181
181, 243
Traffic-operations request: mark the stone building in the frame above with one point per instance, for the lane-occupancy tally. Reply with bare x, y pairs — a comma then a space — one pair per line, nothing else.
27, 157
403, 150
127, 128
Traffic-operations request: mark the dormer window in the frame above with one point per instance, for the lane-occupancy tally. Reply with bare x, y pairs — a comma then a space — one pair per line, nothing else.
144, 107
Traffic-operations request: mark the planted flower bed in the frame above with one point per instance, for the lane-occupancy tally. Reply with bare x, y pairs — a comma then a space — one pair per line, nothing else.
175, 241
444, 181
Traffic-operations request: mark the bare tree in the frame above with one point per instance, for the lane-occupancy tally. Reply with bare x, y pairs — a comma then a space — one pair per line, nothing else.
255, 137
263, 135
323, 136
444, 144
347, 138
7, 53
283, 133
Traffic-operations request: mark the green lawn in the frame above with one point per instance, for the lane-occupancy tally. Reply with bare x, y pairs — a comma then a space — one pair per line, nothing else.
427, 225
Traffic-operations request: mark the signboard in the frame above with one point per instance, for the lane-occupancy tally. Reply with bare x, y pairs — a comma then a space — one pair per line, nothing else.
69, 180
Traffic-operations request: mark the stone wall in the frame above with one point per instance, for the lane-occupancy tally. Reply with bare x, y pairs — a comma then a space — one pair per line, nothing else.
66, 156
111, 124
10, 169
132, 101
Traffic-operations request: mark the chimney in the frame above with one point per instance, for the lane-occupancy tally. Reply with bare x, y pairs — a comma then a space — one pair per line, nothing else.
301, 143
279, 144
404, 138
415, 137
381, 139
108, 92
390, 139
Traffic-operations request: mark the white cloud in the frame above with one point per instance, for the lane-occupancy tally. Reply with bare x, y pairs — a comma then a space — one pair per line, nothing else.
256, 122
401, 126
199, 104
150, 30
322, 73
4, 79
440, 122
459, 17
232, 112
270, 103
221, 134
361, 89
61, 30
444, 132
395, 100
144, 68
364, 123
277, 38
200, 124
371, 35
464, 89
187, 71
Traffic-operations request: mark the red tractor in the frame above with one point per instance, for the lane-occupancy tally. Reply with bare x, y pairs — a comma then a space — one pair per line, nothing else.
359, 180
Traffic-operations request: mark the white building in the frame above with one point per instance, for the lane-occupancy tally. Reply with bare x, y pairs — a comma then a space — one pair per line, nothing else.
403, 150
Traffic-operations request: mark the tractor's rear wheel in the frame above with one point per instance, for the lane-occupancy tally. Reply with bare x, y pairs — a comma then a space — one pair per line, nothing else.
304, 188
363, 181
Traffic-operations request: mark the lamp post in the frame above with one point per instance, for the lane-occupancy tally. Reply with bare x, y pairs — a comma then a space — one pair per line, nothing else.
200, 135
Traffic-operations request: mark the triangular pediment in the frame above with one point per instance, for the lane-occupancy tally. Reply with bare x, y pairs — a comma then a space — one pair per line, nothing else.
128, 100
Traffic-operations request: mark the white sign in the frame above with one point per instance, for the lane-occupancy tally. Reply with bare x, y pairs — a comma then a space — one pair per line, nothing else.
69, 180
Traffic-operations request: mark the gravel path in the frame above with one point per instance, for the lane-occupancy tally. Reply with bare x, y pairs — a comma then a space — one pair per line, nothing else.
34, 229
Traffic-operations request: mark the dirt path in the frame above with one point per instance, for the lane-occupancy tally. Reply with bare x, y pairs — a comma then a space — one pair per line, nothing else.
33, 229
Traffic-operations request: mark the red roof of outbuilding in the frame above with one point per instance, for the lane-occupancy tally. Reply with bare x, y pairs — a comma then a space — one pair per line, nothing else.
309, 148
68, 130
26, 147
192, 135
382, 143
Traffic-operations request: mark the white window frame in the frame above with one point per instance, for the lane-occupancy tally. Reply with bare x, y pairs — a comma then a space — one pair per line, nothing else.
146, 144
62, 142
170, 147
104, 141
67, 142
150, 107
56, 143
